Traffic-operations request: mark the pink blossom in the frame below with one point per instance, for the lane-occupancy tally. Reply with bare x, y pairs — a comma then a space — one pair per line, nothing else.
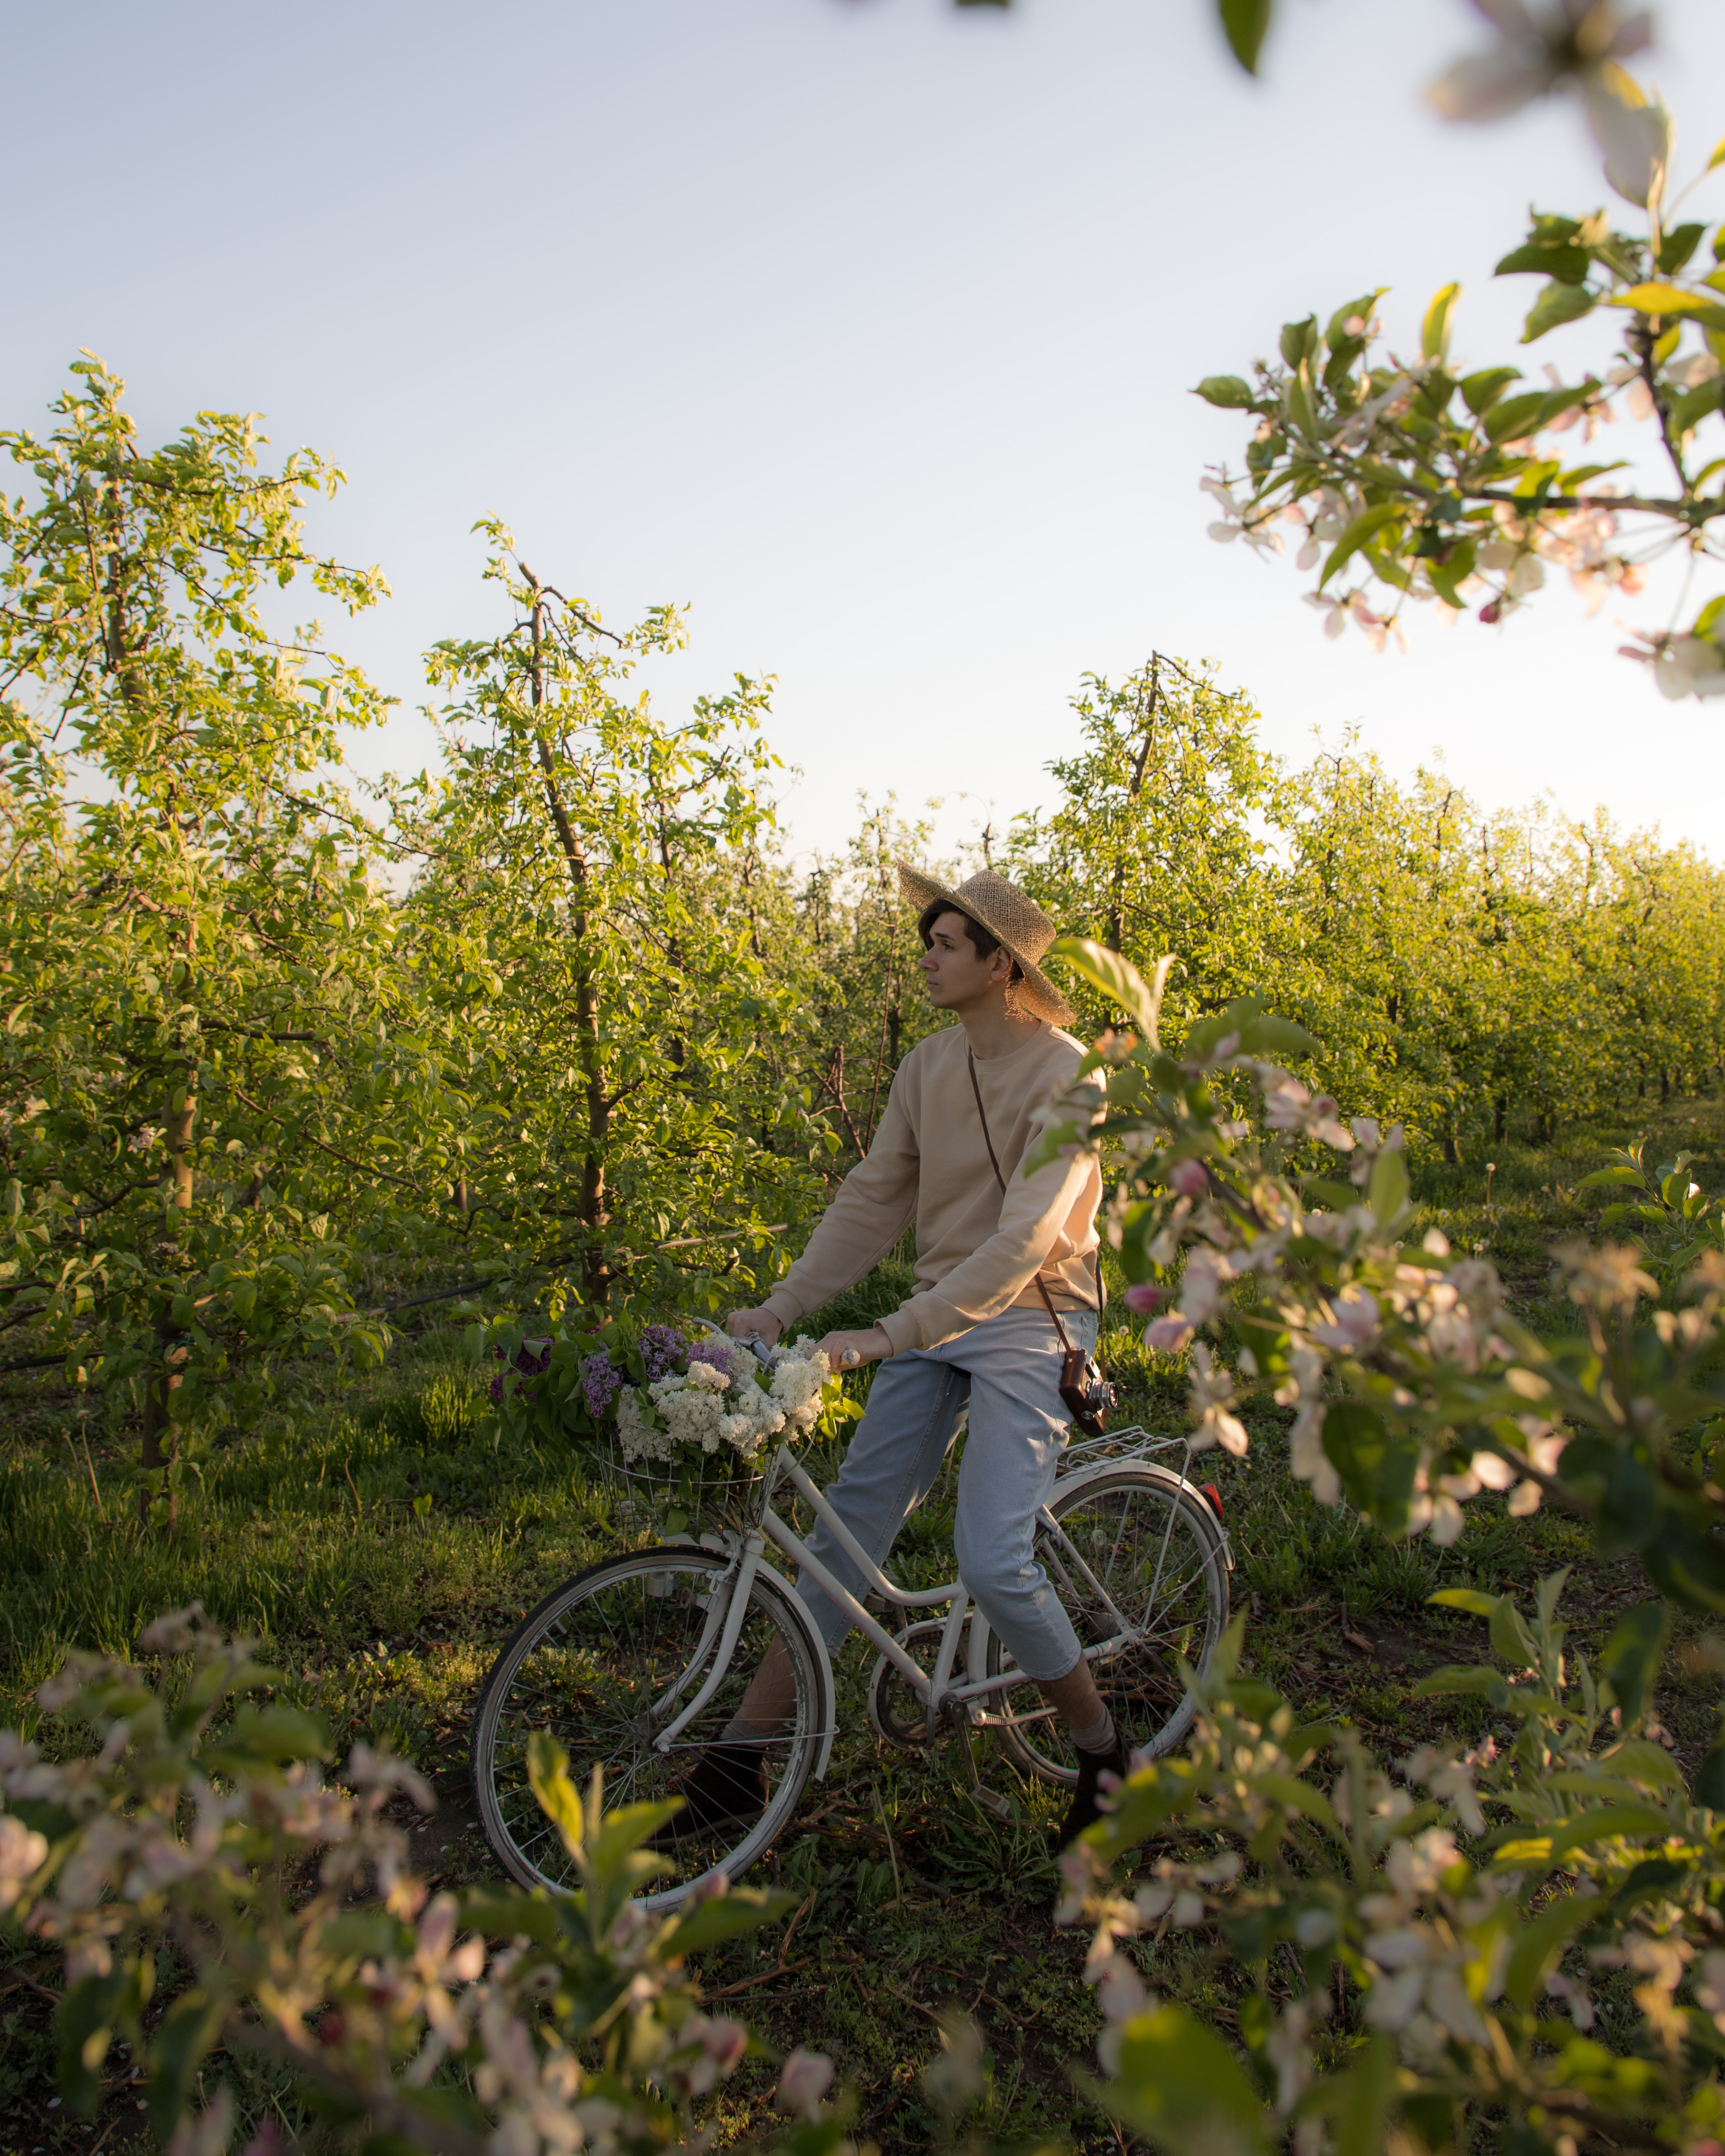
1189, 1178
725, 2041
1356, 1316
1143, 1295
1208, 1272
805, 2080
1169, 1335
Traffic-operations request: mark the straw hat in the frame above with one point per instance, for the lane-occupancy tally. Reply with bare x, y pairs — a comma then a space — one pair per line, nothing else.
1017, 923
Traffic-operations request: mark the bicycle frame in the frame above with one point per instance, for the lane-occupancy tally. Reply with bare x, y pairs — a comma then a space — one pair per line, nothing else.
938, 1693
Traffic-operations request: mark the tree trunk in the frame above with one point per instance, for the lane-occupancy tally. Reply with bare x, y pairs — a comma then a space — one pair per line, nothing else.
1500, 1119
595, 1216
1135, 786
165, 1377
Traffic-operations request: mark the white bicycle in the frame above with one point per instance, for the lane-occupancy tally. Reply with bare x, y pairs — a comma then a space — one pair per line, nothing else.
637, 1663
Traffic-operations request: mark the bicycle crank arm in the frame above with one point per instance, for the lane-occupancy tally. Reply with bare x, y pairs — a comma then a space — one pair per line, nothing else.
986, 1798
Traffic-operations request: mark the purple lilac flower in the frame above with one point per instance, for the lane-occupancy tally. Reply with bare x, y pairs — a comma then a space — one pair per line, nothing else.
660, 1345
532, 1364
715, 1352
495, 1387
599, 1383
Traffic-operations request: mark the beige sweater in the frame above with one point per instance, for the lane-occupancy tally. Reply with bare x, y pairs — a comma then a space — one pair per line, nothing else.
977, 1253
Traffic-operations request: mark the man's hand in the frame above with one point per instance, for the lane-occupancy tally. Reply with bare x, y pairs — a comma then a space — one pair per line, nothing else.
859, 1347
762, 1322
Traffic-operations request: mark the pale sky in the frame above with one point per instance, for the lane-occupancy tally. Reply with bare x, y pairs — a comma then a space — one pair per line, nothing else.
865, 327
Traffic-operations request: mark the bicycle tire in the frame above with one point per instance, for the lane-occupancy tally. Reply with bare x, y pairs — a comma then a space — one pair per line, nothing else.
1162, 1543
586, 1662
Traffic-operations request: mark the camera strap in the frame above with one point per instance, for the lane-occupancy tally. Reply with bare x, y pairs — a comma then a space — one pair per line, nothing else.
993, 1162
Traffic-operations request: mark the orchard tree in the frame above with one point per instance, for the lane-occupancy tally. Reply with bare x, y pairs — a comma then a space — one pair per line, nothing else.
1408, 478
863, 959
1153, 845
210, 1075
605, 868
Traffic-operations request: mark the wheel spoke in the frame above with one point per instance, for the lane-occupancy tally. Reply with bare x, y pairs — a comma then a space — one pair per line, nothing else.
589, 1675
1160, 1565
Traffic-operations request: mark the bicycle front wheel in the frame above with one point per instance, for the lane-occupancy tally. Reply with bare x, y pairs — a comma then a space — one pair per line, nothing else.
595, 1663
1136, 1543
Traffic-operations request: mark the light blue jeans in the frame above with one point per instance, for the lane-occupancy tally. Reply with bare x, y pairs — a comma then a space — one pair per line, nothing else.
1009, 1369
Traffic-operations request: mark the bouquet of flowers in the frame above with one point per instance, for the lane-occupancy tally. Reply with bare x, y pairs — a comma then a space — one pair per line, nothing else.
655, 1393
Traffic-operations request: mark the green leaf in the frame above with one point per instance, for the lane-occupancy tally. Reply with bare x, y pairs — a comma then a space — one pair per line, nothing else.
1587, 1829
1540, 1947
1666, 301
1227, 390
1630, 1658
1434, 331
187, 2034
556, 1795
1457, 1677
1360, 310
1357, 2100
1558, 303
1377, 1473
1647, 1761
269, 1734
1363, 528
1180, 2086
506, 1915
727, 1917
1243, 24
1481, 392
1509, 422
1300, 407
1717, 158
1469, 1599
1568, 264
1511, 1642
1118, 979
1710, 1779
1693, 405
1446, 577
1605, 1175
1276, 1036
1299, 341
1679, 243
1387, 1193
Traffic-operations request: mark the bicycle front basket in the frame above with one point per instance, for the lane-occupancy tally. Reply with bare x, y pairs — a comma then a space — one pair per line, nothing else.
672, 1496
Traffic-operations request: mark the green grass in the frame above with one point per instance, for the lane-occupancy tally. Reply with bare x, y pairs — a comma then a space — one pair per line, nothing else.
304, 1534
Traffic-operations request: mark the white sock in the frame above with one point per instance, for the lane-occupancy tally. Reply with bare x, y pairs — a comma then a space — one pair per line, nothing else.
1099, 1736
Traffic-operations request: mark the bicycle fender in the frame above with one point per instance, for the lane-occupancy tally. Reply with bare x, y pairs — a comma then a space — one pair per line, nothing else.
1166, 1476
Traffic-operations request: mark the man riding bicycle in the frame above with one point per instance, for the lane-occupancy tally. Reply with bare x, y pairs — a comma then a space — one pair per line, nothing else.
999, 1254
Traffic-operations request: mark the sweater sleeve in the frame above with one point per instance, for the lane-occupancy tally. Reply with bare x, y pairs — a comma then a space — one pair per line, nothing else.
872, 1208
1033, 1212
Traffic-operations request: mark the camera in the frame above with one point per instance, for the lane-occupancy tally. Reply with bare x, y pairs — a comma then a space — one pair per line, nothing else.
1089, 1396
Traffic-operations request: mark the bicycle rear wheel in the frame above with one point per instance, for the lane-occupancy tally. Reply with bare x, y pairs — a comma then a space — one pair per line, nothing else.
1138, 1537
593, 1662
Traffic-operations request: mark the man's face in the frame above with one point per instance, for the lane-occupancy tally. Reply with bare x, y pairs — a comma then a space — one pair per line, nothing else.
956, 976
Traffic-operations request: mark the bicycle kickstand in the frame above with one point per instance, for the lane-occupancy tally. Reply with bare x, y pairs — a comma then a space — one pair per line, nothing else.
961, 1730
